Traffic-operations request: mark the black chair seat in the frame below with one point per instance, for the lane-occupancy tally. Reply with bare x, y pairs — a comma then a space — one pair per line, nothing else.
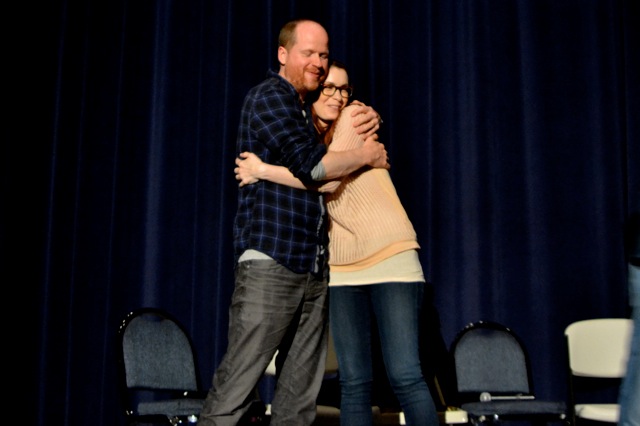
173, 407
503, 408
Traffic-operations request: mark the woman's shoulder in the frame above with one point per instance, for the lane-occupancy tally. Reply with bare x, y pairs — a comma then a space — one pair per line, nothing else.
345, 115
346, 111
344, 136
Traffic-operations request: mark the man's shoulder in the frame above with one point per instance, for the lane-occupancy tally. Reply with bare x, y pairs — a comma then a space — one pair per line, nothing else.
272, 91
272, 83
263, 88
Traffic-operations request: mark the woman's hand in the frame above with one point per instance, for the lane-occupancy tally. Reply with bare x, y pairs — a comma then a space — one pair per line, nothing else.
249, 167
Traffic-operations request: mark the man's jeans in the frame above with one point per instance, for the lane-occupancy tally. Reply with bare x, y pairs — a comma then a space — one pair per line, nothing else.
267, 302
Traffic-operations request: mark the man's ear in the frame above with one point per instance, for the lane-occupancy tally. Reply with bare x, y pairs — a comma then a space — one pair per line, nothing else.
282, 55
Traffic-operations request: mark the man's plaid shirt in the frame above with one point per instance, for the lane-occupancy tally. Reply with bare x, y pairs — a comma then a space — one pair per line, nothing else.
285, 223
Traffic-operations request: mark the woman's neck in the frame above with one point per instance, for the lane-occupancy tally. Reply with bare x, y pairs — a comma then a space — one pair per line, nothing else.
320, 125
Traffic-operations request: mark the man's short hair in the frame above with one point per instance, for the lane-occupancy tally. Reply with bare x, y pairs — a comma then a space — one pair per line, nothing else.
287, 37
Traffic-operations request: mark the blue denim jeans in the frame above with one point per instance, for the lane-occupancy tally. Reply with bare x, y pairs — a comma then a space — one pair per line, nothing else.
630, 389
396, 307
270, 304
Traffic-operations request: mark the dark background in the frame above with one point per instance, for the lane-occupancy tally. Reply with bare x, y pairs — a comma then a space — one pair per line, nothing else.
512, 128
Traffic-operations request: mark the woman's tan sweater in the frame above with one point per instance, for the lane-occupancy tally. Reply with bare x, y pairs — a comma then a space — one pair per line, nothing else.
368, 223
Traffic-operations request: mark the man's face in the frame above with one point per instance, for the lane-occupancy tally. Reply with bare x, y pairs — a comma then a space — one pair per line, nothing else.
305, 64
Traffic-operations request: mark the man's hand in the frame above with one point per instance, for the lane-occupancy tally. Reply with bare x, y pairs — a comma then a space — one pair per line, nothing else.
367, 121
248, 170
375, 153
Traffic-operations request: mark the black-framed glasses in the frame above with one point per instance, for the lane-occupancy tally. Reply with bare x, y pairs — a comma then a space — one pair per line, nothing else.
329, 90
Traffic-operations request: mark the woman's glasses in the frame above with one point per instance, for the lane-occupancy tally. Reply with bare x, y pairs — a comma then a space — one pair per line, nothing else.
329, 90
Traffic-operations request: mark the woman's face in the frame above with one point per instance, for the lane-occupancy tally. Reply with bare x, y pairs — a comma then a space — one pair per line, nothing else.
327, 108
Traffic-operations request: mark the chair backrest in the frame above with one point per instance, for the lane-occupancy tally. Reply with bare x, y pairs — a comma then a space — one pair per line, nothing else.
156, 352
489, 357
599, 347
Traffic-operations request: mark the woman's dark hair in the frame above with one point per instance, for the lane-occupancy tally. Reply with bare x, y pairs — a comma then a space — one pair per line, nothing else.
338, 64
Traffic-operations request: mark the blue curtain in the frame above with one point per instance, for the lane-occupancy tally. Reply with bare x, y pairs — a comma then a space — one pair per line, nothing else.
512, 128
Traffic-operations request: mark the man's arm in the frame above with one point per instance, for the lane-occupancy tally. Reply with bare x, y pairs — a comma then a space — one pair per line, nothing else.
366, 120
341, 163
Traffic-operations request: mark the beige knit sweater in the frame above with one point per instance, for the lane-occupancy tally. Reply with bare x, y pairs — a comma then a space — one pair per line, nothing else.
368, 223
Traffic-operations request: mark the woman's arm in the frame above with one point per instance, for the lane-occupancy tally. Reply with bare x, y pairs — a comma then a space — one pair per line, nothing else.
250, 169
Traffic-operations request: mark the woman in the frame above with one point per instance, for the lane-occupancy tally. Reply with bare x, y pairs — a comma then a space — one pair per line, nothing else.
374, 268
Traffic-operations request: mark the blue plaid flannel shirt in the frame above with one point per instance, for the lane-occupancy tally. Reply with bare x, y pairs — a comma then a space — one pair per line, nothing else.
288, 224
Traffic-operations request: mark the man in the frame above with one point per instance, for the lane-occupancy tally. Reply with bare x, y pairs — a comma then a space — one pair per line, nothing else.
280, 239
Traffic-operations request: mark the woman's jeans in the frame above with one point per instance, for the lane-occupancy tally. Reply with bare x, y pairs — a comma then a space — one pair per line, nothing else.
396, 307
